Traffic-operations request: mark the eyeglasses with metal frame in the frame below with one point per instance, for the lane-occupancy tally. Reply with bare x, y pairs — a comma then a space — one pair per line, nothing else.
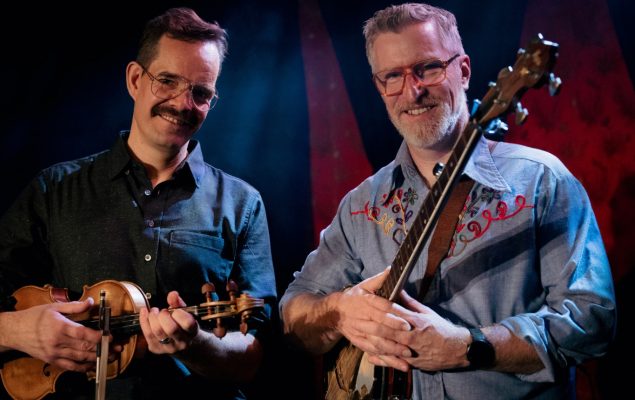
167, 86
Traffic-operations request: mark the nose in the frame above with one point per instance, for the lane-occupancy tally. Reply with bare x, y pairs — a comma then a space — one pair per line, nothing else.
185, 100
414, 87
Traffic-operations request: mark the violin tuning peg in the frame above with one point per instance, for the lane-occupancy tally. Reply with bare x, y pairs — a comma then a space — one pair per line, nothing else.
209, 290
243, 323
554, 84
232, 289
231, 286
208, 287
219, 331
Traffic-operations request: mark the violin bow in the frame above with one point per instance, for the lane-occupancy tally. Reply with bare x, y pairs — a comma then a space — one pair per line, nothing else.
102, 349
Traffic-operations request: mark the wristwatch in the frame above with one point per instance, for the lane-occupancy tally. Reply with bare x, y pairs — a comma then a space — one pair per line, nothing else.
480, 353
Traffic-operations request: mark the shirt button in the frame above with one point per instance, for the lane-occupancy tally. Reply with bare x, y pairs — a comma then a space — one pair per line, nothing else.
147, 192
150, 223
147, 257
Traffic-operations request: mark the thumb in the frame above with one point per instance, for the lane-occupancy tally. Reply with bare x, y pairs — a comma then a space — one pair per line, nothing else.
410, 303
74, 307
374, 282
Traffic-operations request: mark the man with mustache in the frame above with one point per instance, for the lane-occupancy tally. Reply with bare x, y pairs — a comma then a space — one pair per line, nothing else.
152, 212
524, 292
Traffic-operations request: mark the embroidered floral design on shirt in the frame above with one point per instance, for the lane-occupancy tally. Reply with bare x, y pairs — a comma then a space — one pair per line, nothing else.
487, 196
472, 230
410, 196
393, 214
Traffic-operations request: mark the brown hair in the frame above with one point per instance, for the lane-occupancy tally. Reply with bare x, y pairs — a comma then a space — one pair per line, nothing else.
395, 18
181, 24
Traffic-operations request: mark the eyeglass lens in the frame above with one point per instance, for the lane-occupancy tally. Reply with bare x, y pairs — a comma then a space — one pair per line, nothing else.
170, 87
427, 73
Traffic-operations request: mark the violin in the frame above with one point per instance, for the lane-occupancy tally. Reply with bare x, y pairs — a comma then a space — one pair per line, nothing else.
27, 378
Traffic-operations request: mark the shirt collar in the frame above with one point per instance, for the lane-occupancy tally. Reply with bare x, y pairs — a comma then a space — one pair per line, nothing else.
194, 163
480, 167
118, 158
121, 161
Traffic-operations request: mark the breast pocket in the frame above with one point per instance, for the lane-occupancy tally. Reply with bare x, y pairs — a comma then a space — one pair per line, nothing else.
195, 258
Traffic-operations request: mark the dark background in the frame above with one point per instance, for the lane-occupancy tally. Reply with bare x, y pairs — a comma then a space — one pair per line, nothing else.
64, 96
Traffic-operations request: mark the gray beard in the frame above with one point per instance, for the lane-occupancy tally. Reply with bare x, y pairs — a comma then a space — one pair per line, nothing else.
432, 133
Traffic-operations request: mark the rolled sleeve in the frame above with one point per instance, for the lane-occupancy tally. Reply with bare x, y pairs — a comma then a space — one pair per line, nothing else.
578, 319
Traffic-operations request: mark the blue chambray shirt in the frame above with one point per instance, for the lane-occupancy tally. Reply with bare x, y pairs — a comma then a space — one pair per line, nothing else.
96, 218
527, 254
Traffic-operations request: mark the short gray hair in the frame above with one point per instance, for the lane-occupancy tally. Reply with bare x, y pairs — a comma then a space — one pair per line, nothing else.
395, 18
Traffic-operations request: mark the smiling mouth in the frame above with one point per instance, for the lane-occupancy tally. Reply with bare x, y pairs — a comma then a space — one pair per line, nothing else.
174, 117
173, 120
419, 110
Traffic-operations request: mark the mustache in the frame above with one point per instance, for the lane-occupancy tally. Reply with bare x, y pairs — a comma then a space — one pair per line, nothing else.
186, 116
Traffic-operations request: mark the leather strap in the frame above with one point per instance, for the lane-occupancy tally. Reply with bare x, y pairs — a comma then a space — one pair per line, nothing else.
446, 226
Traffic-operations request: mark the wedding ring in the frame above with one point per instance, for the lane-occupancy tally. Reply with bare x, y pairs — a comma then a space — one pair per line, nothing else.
166, 340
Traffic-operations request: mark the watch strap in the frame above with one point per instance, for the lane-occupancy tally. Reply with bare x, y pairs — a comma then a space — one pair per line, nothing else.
477, 335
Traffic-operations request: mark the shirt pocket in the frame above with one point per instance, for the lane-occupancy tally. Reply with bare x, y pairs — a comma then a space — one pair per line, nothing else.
195, 258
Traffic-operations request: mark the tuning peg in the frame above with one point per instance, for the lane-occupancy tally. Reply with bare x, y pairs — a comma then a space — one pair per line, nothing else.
219, 330
209, 291
211, 297
475, 105
243, 322
521, 114
496, 130
504, 73
554, 84
232, 290
438, 168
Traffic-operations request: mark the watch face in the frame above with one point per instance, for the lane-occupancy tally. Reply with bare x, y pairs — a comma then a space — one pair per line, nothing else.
478, 351
481, 352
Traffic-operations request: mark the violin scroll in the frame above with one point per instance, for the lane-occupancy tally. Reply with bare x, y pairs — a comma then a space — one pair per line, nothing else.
241, 306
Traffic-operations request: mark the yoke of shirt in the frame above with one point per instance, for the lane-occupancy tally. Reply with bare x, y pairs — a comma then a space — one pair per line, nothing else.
397, 201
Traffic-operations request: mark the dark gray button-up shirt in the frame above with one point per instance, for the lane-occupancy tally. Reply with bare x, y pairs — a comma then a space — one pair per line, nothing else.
97, 218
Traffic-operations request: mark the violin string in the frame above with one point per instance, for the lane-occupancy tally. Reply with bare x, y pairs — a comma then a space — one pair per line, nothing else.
132, 320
